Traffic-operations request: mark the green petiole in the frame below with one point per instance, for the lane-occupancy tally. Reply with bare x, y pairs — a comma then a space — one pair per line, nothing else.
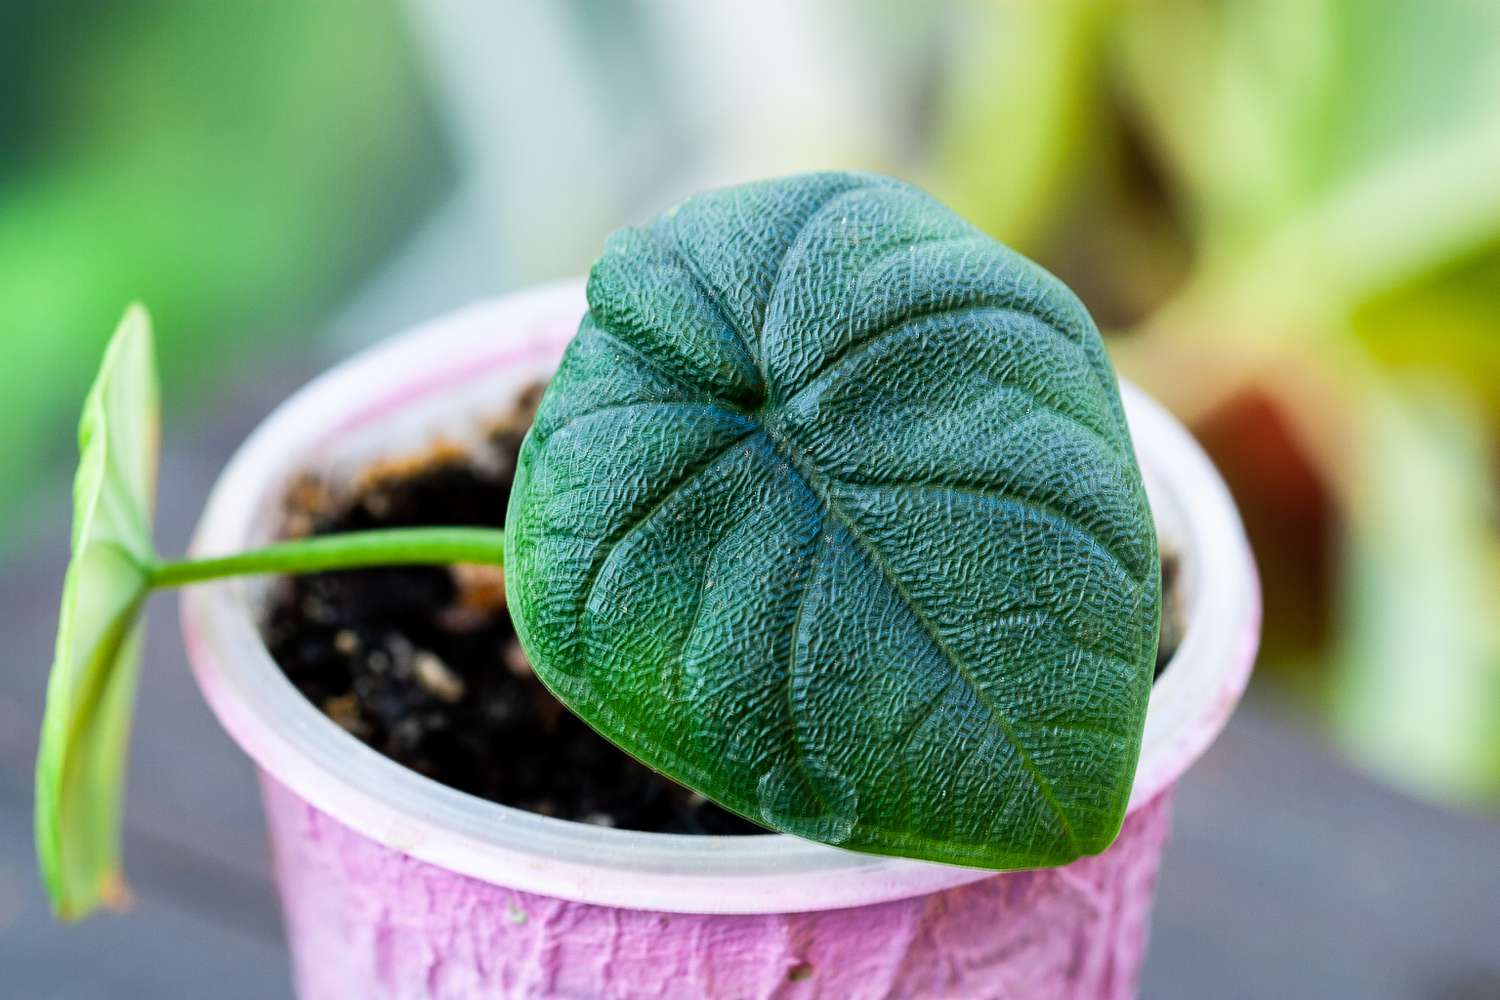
386, 547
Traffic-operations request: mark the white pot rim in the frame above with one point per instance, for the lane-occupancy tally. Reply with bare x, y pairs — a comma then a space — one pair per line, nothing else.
456, 366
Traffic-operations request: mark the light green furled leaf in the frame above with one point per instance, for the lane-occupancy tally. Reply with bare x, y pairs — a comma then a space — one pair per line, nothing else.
1417, 691
831, 513
85, 730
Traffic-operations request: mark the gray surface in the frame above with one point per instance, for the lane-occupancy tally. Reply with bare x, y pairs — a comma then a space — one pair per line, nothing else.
1287, 876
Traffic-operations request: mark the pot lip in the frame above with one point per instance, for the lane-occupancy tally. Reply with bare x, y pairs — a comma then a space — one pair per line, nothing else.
515, 340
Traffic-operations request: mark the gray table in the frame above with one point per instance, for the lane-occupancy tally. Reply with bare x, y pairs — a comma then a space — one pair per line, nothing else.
1288, 874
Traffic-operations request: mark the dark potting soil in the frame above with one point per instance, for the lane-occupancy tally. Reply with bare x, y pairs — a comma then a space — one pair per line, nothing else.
405, 658
1173, 614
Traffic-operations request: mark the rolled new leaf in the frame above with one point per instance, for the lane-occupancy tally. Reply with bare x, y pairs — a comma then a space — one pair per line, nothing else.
831, 514
90, 694
114, 566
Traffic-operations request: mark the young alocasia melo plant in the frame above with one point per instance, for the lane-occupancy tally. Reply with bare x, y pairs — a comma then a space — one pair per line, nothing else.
829, 513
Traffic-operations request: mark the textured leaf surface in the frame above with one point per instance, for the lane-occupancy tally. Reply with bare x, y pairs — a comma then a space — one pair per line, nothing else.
831, 514
80, 769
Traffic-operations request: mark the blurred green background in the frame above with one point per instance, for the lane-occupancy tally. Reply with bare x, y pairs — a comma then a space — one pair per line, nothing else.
236, 166
1286, 214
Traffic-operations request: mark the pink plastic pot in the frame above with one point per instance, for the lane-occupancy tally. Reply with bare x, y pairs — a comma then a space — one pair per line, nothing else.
395, 886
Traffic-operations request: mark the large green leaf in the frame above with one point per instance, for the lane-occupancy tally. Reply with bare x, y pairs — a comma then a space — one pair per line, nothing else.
85, 731
831, 513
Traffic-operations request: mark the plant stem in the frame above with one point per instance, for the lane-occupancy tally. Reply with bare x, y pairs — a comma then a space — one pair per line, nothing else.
385, 547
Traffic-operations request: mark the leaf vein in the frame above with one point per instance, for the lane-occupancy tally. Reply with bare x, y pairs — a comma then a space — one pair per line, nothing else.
628, 529
639, 404
796, 242
711, 296
856, 348
1041, 508
1043, 786
655, 367
800, 754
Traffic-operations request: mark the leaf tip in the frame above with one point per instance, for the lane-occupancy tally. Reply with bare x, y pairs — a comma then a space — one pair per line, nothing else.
112, 893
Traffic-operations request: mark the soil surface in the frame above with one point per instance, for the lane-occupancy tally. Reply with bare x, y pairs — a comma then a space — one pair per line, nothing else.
405, 658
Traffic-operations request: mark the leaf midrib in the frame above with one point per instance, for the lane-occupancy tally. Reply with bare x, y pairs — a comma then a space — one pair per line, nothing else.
818, 484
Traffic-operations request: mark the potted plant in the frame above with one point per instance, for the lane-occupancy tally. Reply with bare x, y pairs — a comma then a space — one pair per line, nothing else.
829, 512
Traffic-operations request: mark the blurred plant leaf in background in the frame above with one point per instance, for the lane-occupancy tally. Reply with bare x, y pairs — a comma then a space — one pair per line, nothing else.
1029, 144
1419, 664
1330, 149
1444, 325
236, 166
1014, 112
1286, 210
1338, 161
